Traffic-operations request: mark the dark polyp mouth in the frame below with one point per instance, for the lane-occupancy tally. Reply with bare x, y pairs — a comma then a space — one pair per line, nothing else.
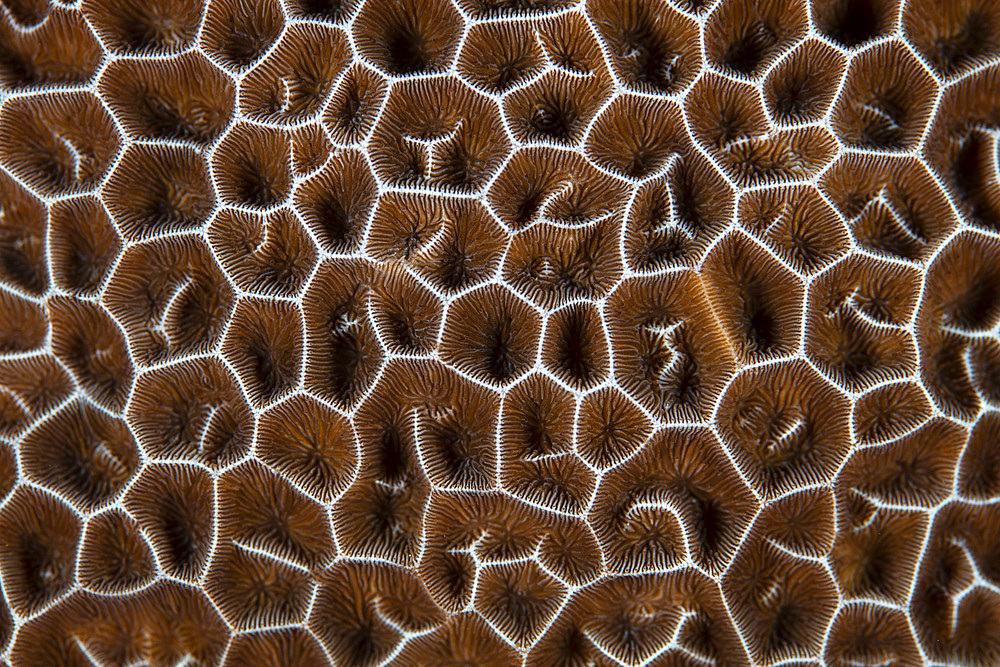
337, 11
851, 23
408, 38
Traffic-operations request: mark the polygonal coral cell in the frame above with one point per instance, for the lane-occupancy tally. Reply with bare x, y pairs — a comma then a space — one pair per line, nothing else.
83, 245
175, 506
404, 38
90, 344
115, 557
60, 51
270, 254
237, 33
336, 202
40, 548
170, 297
264, 346
309, 444
58, 144
491, 334
886, 99
145, 28
252, 167
392, 333
786, 426
440, 134
159, 188
291, 83
801, 86
83, 453
22, 240
183, 98
354, 105
193, 409
651, 47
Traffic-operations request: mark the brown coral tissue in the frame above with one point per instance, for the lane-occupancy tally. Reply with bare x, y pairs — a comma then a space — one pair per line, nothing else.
526, 333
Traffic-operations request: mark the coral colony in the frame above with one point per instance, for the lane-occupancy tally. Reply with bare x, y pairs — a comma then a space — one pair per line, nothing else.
452, 333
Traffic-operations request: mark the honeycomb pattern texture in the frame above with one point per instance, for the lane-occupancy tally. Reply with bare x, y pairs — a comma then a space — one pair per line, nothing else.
499, 332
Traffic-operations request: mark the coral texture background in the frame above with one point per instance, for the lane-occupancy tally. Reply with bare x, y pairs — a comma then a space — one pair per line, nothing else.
499, 332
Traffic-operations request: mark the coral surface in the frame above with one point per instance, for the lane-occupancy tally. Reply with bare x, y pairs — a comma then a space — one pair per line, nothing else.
579, 333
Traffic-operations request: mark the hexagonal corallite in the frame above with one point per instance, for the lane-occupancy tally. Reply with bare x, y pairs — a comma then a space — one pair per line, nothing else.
404, 37
438, 133
90, 344
491, 334
670, 353
58, 144
157, 189
170, 297
41, 534
252, 166
82, 453
785, 425
264, 346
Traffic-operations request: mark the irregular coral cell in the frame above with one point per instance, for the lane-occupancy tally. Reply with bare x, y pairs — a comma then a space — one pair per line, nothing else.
597, 333
175, 506
438, 133
184, 98
84, 454
264, 345
291, 83
22, 241
158, 189
83, 245
115, 557
194, 410
961, 302
270, 254
134, 27
91, 345
33, 386
961, 149
41, 536
886, 99
786, 426
236, 33
171, 298
59, 144
60, 51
